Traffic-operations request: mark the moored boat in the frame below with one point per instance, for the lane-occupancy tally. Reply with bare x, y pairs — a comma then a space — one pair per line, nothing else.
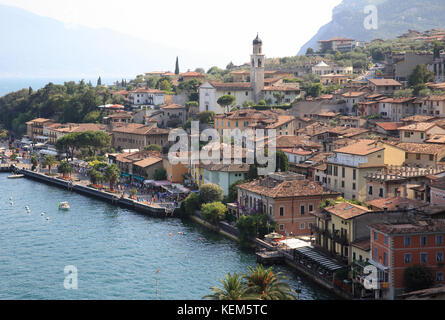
64, 205
16, 176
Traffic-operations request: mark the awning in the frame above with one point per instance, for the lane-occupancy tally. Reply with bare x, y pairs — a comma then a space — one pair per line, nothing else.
326, 262
125, 175
138, 178
162, 183
149, 181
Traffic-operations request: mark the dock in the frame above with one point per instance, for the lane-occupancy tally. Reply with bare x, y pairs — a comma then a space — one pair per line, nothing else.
269, 257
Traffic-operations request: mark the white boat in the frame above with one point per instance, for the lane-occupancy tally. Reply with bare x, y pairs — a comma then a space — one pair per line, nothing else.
16, 176
64, 205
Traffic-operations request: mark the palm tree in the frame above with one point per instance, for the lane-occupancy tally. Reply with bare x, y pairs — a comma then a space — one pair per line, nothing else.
233, 289
65, 168
49, 161
268, 285
95, 176
112, 174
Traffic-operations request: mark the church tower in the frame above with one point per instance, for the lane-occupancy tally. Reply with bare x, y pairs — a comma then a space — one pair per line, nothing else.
257, 69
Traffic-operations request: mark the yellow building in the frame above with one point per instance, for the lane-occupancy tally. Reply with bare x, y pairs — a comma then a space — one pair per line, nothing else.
175, 172
348, 168
338, 231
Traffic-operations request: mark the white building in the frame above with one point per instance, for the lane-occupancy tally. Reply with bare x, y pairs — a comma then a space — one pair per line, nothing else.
255, 90
225, 175
146, 97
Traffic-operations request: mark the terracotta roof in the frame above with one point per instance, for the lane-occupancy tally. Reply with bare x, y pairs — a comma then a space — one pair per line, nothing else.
362, 148
418, 118
437, 138
414, 226
346, 210
298, 151
396, 203
270, 187
192, 74
436, 98
40, 120
389, 126
353, 94
384, 82
419, 126
136, 128
173, 106
286, 142
231, 85
423, 148
147, 162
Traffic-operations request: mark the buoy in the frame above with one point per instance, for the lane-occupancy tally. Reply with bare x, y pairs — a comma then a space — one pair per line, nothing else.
47, 219
42, 214
181, 233
170, 234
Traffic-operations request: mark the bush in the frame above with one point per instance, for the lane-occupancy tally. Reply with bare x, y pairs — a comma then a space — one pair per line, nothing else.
191, 203
159, 175
213, 212
210, 192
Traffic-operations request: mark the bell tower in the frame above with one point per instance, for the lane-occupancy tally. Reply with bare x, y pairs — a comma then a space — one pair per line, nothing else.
257, 69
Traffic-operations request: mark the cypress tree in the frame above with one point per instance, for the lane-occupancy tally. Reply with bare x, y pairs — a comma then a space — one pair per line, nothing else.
177, 66
99, 82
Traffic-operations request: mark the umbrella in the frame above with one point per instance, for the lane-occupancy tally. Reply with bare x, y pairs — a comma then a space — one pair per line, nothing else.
273, 236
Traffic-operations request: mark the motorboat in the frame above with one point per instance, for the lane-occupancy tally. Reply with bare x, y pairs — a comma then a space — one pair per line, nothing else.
64, 205
16, 176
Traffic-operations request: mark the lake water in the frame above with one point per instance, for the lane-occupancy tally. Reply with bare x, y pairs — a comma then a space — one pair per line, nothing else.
118, 253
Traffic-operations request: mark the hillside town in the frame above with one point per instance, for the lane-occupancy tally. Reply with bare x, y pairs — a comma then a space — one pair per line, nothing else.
360, 150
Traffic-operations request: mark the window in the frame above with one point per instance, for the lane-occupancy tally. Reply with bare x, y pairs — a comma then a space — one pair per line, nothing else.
407, 134
438, 239
421, 135
385, 239
439, 257
353, 186
311, 207
302, 226
370, 190
439, 276
423, 241
418, 156
423, 258
407, 241
281, 227
302, 208
381, 192
385, 259
407, 257
376, 236
343, 172
431, 157
354, 174
336, 171
281, 212
376, 253
343, 184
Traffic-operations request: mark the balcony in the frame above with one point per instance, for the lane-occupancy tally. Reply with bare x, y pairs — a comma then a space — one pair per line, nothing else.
341, 238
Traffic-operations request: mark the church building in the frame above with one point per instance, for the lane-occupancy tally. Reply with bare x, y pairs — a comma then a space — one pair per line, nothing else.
272, 90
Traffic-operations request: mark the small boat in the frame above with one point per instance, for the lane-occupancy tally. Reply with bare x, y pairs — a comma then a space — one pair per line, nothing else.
64, 205
16, 176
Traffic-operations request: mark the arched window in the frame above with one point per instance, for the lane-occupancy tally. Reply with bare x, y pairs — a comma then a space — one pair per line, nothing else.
259, 63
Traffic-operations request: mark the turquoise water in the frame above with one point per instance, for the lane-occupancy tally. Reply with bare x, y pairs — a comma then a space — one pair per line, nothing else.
117, 252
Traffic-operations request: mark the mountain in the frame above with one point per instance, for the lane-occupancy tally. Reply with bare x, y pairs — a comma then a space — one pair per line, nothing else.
35, 46
395, 17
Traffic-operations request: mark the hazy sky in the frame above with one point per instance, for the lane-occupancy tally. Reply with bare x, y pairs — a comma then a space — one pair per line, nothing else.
203, 26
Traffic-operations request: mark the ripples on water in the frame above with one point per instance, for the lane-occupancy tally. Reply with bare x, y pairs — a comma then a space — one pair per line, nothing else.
117, 251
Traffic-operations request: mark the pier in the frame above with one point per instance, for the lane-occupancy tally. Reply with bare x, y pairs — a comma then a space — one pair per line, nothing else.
154, 211
269, 257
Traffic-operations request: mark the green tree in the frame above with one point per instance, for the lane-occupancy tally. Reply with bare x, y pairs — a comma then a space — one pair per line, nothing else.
267, 284
310, 51
192, 203
233, 191
210, 192
165, 85
282, 161
315, 90
112, 174
191, 105
226, 101
34, 162
160, 174
233, 288
252, 174
49, 161
246, 226
95, 176
65, 168
213, 212
420, 75
99, 82
418, 277
153, 147
206, 116
177, 66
